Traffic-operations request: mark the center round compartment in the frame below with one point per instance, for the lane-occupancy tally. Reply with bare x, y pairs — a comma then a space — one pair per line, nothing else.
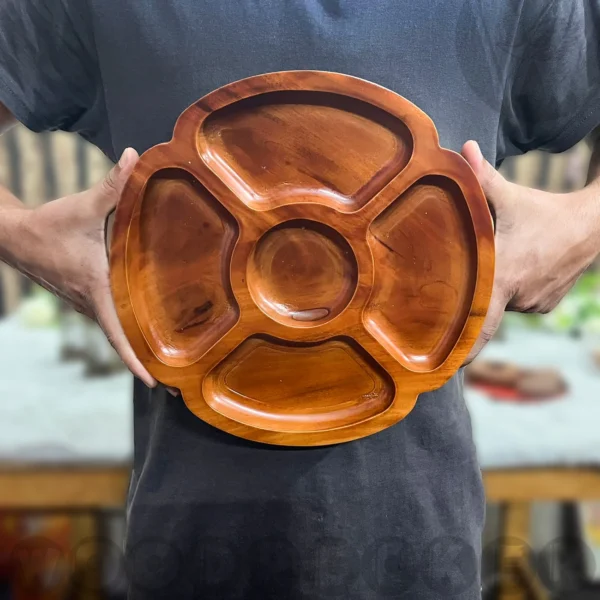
302, 273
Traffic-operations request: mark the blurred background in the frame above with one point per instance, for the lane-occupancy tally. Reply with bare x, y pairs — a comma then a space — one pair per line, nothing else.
66, 419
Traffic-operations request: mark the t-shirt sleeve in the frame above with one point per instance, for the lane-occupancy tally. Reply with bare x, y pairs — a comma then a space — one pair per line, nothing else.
48, 72
552, 93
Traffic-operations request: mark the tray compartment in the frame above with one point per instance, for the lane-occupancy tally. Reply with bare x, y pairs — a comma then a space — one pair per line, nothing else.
425, 255
283, 386
302, 273
179, 254
301, 146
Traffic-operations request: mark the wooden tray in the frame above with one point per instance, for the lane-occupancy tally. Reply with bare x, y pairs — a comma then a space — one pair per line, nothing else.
302, 259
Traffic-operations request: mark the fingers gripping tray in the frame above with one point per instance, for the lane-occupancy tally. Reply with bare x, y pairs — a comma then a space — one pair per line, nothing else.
302, 259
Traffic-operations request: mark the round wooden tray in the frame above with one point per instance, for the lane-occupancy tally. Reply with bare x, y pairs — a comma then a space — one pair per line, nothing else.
302, 259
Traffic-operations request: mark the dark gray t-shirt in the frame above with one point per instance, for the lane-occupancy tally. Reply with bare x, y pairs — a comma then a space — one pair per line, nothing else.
395, 515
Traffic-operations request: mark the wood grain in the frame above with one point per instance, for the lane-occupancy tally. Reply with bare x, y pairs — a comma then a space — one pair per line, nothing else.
236, 388
302, 272
302, 259
180, 249
425, 247
322, 145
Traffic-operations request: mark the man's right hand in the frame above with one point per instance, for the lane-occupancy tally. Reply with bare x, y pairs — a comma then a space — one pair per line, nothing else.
61, 245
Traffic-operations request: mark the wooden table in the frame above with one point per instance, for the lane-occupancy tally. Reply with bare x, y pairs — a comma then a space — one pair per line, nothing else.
516, 490
85, 491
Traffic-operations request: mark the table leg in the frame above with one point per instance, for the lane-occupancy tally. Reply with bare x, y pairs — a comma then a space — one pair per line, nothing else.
86, 558
518, 581
515, 542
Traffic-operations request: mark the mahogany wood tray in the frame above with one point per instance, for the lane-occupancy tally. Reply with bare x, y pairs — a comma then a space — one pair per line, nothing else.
302, 259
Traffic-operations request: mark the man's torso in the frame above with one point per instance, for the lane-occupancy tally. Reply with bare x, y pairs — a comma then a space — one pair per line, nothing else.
398, 514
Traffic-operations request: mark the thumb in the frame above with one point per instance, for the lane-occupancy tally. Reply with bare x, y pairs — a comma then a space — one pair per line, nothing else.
494, 186
491, 323
112, 185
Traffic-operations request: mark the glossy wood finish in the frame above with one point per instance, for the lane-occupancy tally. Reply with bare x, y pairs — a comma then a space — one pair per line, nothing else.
425, 247
302, 259
179, 246
293, 400
324, 141
302, 272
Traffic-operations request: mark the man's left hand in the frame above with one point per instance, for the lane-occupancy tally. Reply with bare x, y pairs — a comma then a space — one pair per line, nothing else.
544, 242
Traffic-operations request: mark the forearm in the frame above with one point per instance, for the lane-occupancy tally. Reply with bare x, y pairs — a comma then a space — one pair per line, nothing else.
594, 168
12, 217
11, 209
591, 193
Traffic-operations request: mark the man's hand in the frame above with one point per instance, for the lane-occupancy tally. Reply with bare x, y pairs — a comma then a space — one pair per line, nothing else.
544, 242
61, 245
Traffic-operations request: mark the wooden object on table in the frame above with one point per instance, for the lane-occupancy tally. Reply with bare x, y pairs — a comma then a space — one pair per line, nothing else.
541, 383
492, 372
507, 381
302, 259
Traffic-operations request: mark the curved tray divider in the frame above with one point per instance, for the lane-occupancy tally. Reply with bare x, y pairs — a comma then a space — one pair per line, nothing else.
416, 169
189, 160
